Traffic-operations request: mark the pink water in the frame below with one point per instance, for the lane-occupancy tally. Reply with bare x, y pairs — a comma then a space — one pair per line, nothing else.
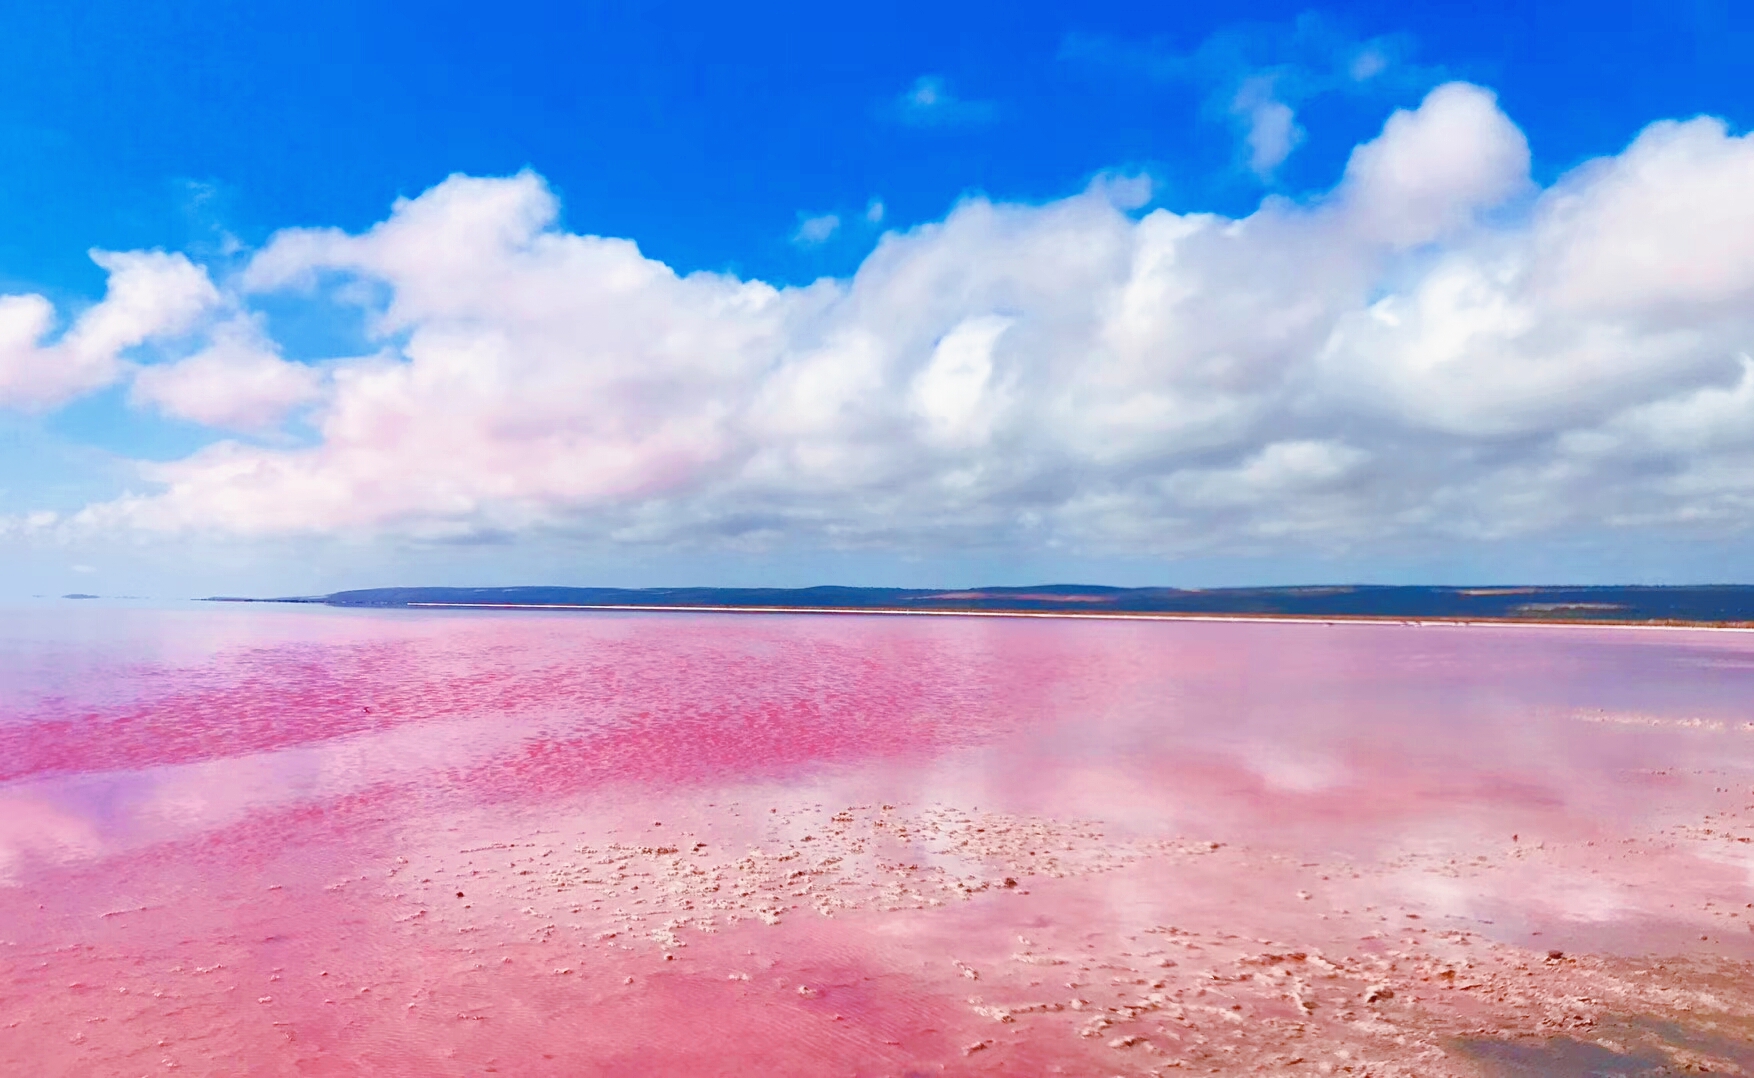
275, 840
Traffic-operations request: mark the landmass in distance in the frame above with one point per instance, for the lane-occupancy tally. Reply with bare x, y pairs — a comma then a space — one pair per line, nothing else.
1714, 604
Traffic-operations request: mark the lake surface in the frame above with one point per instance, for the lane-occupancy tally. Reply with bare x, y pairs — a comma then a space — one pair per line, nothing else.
301, 840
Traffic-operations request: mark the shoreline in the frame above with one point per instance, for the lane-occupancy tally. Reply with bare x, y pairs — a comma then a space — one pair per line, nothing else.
1085, 615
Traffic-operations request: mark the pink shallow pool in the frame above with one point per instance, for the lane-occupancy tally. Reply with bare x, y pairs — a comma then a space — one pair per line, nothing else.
285, 840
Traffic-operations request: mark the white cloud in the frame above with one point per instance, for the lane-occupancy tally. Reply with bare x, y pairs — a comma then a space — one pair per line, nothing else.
1367, 63
1280, 469
954, 391
1435, 167
1271, 125
1661, 227
238, 382
1257, 75
815, 231
930, 102
1122, 190
150, 294
1436, 352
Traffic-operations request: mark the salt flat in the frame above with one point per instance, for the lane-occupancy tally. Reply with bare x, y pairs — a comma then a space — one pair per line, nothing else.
345, 842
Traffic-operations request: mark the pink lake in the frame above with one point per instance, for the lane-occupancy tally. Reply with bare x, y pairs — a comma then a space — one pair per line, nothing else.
298, 840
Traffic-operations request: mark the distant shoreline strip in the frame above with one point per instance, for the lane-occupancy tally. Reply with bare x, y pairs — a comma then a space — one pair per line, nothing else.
1089, 615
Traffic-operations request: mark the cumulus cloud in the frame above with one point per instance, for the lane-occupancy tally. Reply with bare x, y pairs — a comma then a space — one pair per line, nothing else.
953, 392
238, 381
1434, 168
150, 294
1435, 351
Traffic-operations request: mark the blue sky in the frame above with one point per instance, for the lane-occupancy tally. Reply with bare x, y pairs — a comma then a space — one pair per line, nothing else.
780, 146
703, 130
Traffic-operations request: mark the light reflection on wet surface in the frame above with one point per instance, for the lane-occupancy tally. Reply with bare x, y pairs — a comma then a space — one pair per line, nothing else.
233, 839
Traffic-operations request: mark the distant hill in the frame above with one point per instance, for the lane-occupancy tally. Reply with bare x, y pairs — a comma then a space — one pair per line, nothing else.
1712, 604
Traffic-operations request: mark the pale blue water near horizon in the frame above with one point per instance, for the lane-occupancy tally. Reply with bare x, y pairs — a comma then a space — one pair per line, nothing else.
175, 777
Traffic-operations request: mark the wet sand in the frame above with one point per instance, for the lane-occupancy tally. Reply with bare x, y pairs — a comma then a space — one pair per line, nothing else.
688, 845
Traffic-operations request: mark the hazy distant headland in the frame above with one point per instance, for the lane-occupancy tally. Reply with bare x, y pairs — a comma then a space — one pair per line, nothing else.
1705, 604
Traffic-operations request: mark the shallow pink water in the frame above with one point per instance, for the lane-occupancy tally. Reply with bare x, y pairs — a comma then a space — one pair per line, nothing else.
229, 836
